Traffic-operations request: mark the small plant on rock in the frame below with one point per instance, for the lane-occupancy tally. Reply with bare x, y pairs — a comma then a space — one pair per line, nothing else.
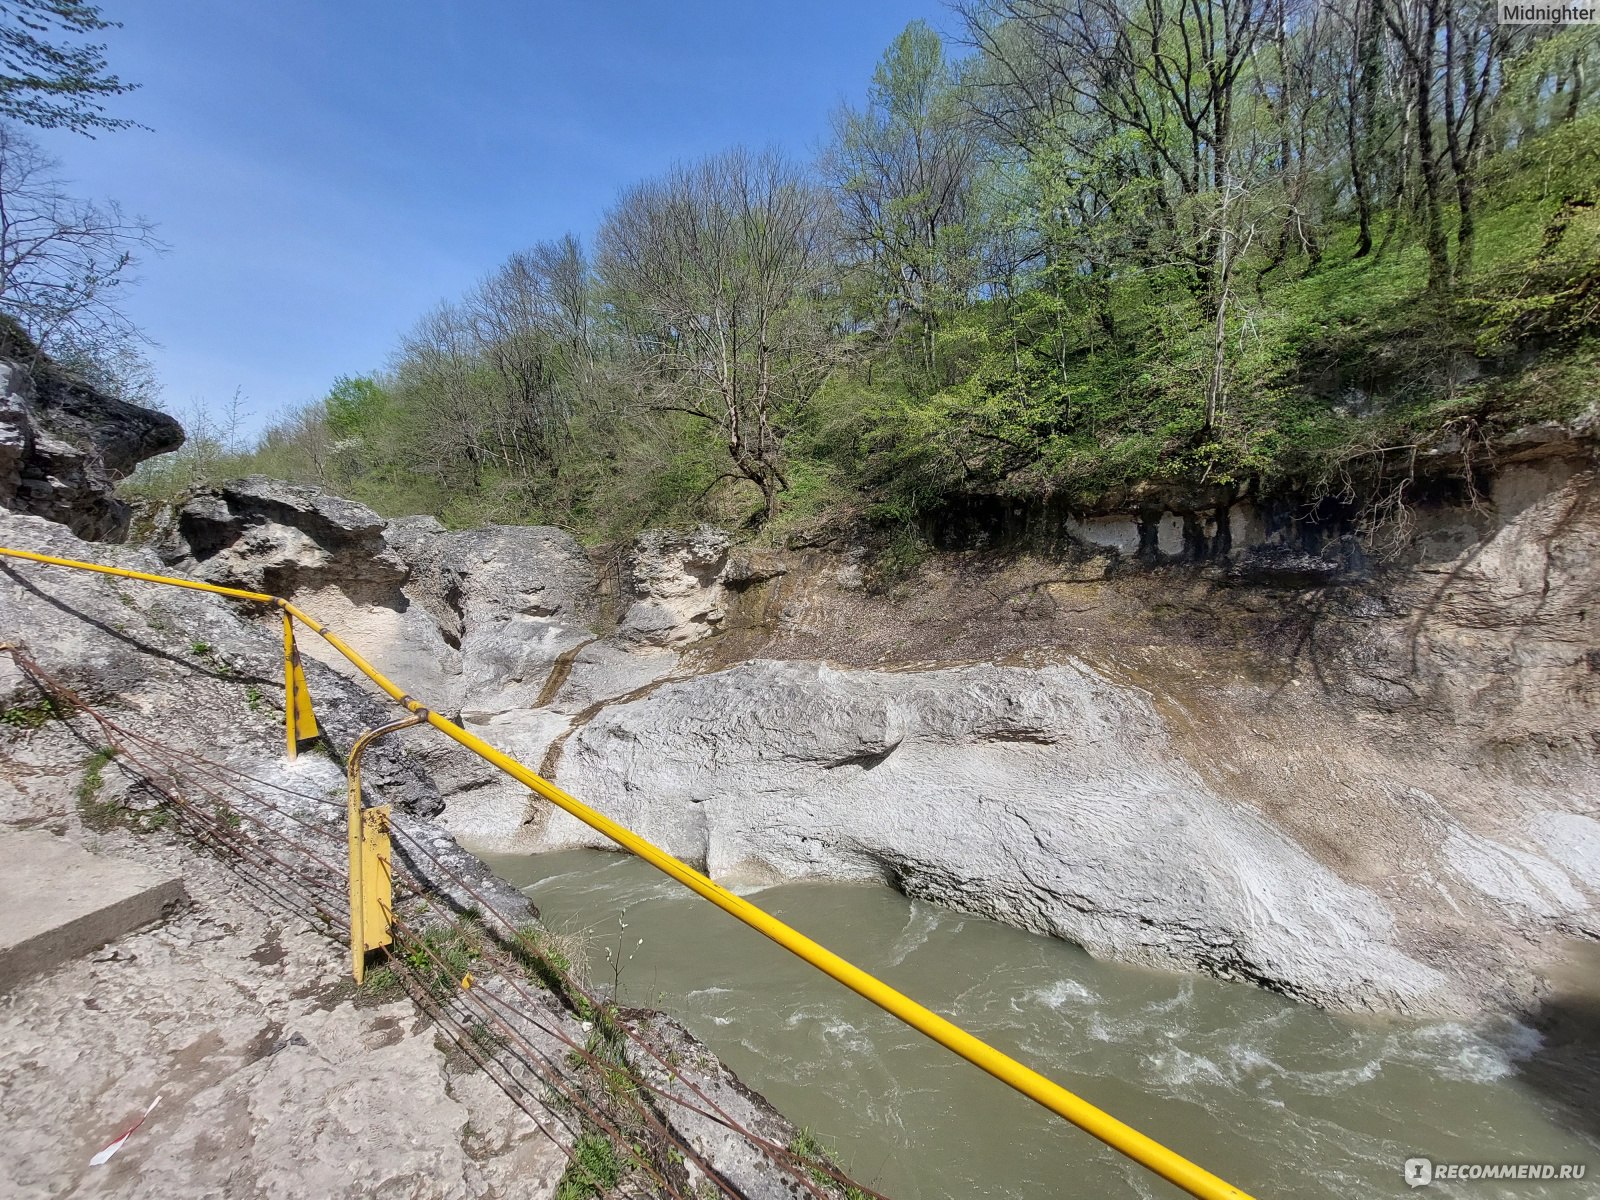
594, 1168
97, 815
441, 957
33, 715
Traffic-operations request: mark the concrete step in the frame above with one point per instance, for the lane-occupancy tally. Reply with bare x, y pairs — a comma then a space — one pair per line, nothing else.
58, 901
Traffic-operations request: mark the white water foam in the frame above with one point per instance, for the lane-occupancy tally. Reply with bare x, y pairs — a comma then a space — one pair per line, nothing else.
1062, 992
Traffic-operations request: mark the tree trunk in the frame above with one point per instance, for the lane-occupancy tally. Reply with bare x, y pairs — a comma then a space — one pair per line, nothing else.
1419, 52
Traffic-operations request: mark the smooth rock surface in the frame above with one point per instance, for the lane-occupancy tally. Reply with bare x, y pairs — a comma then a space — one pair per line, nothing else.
60, 902
1048, 799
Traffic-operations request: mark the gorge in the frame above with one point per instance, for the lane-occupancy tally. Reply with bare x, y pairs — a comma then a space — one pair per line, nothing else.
1269, 756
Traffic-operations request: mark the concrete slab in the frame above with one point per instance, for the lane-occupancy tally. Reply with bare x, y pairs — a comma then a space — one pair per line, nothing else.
58, 901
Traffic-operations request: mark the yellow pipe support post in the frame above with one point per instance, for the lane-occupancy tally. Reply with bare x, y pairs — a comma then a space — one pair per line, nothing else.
300, 720
371, 866
1123, 1138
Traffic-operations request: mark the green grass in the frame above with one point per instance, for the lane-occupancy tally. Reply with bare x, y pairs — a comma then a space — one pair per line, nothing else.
595, 1167
97, 815
607, 1047
543, 957
489, 1040
101, 816
440, 957
381, 985
34, 714
812, 1154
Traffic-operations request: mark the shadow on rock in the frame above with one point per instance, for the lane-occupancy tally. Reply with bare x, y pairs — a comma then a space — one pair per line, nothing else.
1566, 1068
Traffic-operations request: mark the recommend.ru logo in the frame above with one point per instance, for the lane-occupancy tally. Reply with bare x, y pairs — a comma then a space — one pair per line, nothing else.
1420, 1172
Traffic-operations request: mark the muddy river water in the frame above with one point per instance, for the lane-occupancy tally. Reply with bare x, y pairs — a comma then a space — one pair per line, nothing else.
1280, 1098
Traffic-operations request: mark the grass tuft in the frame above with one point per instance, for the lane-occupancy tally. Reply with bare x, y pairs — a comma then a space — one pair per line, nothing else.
595, 1167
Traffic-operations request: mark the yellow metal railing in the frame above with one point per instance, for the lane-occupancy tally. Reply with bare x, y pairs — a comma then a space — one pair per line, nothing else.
367, 913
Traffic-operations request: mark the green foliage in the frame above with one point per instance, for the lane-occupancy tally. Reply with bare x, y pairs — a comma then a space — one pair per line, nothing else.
100, 815
544, 957
486, 1037
1072, 295
381, 985
213, 450
33, 714
1348, 353
905, 551
440, 957
354, 405
814, 1155
607, 1047
94, 774
51, 83
595, 1166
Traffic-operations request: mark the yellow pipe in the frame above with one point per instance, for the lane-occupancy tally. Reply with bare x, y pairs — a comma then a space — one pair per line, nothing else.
291, 732
1125, 1139
371, 900
191, 584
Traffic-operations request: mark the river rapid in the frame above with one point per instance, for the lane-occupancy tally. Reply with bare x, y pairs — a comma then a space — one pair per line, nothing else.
1280, 1098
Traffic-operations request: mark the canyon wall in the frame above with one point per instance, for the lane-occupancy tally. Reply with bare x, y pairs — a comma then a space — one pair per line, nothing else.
1364, 776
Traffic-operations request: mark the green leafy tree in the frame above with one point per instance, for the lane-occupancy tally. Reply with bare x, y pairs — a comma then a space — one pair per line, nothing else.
55, 83
903, 171
354, 405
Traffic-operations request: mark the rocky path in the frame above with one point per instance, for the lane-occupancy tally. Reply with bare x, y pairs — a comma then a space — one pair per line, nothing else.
275, 1078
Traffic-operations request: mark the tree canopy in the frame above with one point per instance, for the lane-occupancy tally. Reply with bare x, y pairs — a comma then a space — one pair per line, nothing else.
1077, 246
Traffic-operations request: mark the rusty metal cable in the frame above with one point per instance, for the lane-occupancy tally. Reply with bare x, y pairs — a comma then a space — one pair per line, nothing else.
215, 832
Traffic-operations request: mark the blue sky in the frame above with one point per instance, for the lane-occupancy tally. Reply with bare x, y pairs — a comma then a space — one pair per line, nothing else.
324, 171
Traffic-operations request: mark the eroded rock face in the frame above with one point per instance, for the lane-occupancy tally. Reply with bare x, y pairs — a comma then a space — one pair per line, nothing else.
270, 1042
471, 579
264, 535
678, 587
1370, 793
194, 664
63, 447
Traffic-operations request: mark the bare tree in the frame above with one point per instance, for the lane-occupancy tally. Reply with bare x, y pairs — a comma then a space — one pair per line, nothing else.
1356, 64
516, 324
717, 274
1474, 47
1416, 26
434, 369
63, 261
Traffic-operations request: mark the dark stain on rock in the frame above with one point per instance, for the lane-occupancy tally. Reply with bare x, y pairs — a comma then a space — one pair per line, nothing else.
271, 952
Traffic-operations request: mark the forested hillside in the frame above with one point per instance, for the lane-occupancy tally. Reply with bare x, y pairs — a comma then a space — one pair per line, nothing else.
1080, 244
